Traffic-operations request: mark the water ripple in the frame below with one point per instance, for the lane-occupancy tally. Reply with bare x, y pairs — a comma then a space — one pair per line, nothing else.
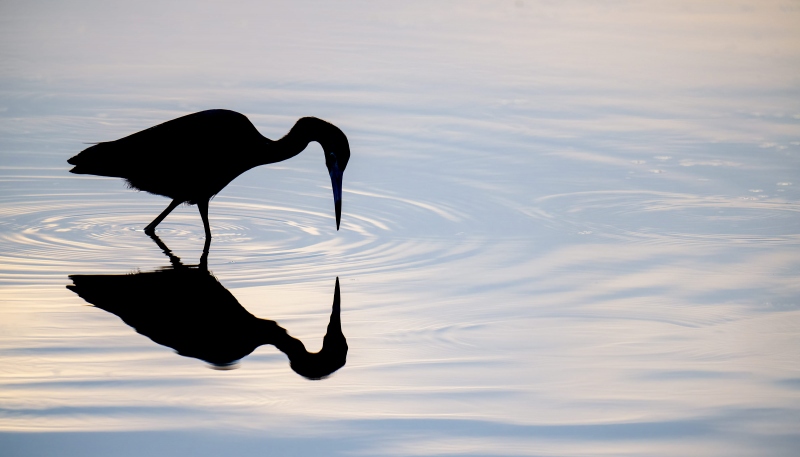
662, 217
255, 240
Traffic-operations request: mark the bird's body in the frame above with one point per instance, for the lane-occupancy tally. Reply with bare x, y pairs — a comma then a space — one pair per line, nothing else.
189, 159
192, 158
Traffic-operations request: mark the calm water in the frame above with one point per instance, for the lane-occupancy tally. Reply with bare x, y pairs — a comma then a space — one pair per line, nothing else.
569, 228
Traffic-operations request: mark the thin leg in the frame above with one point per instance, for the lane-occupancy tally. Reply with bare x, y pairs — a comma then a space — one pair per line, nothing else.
151, 228
203, 207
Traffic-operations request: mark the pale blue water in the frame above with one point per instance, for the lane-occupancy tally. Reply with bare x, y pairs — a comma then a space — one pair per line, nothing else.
568, 228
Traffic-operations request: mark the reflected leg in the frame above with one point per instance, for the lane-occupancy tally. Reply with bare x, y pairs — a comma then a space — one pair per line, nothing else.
173, 259
151, 228
203, 207
204, 258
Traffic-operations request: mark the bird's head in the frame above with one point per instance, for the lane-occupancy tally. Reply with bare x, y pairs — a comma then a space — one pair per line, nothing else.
333, 354
337, 153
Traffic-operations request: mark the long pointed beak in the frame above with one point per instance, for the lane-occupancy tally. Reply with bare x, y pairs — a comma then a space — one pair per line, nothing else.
336, 184
335, 322
333, 354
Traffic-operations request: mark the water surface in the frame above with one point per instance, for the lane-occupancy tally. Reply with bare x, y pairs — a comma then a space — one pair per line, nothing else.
568, 228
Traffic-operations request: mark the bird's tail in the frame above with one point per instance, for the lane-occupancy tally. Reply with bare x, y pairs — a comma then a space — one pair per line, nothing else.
96, 160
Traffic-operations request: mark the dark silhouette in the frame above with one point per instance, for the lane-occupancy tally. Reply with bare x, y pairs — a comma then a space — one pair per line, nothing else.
192, 158
187, 309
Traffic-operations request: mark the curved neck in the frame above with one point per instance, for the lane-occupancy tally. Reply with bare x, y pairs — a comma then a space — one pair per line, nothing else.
304, 131
311, 365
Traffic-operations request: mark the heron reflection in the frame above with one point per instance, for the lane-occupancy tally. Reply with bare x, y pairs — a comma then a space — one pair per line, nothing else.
186, 308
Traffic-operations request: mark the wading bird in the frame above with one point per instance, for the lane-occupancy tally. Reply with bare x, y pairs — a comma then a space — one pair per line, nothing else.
192, 158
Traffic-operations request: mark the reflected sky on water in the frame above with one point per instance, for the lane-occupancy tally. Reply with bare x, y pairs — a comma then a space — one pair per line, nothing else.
568, 228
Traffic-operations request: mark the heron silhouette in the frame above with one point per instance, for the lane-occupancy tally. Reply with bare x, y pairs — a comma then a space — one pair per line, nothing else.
187, 309
192, 158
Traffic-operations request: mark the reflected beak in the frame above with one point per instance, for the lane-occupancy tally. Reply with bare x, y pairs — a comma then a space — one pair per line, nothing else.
336, 184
